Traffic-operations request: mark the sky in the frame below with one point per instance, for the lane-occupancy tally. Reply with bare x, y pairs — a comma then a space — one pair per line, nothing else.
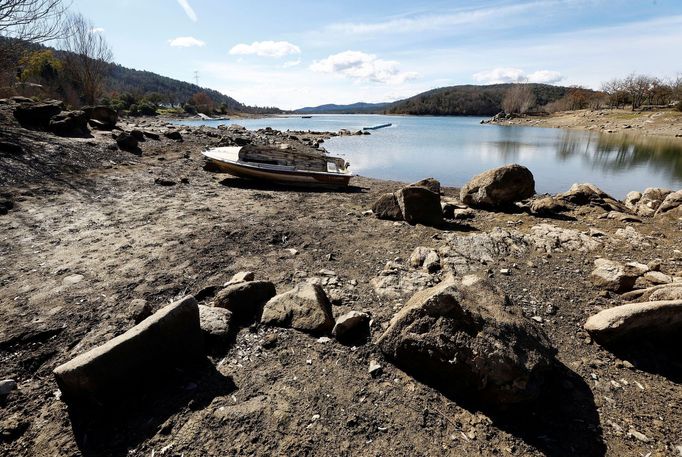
299, 53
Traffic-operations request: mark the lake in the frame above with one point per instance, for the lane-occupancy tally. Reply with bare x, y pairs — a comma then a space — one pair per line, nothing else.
455, 148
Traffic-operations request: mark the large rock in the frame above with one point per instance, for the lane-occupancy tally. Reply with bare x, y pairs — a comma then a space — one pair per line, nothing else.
245, 299
499, 187
672, 202
37, 115
386, 207
352, 326
614, 276
587, 194
547, 206
430, 183
634, 320
70, 124
305, 307
650, 201
105, 116
173, 135
465, 339
169, 339
127, 142
419, 205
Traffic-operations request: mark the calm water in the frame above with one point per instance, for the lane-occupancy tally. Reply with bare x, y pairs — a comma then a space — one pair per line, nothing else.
453, 149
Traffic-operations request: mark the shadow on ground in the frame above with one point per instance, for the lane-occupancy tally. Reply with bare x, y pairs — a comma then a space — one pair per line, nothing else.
253, 184
562, 422
115, 430
658, 355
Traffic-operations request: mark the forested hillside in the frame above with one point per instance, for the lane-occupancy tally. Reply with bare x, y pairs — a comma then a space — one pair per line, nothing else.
469, 100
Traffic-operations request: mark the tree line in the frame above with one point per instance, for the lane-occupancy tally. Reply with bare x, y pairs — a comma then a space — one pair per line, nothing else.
81, 71
634, 91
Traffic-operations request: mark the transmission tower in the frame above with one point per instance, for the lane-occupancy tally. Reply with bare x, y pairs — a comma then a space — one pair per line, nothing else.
196, 77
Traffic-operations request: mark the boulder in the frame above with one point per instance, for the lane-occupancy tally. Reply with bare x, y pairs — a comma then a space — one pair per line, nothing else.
151, 135
7, 386
105, 117
6, 204
37, 115
547, 206
430, 183
650, 201
498, 187
656, 277
305, 307
386, 207
245, 299
127, 142
169, 339
464, 339
587, 194
420, 206
173, 135
635, 319
215, 324
671, 202
138, 134
352, 326
70, 124
614, 276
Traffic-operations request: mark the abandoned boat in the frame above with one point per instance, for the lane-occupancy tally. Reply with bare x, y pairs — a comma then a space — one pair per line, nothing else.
284, 166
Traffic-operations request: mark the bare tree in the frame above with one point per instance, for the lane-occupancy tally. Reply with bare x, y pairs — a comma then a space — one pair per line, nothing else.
518, 99
26, 21
88, 57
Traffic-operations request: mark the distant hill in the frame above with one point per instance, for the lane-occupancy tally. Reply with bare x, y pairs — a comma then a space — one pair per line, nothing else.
344, 109
468, 100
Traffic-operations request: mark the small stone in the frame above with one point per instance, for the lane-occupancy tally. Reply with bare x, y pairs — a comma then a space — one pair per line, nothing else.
638, 436
324, 339
293, 252
242, 276
374, 368
656, 277
537, 319
351, 326
7, 386
505, 271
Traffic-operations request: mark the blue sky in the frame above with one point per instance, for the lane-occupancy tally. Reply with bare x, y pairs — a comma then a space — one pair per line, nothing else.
301, 53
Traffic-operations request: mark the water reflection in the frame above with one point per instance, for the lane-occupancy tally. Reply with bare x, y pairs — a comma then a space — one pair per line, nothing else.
453, 149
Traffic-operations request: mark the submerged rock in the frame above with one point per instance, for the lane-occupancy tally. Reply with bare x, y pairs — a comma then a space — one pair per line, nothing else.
499, 187
465, 339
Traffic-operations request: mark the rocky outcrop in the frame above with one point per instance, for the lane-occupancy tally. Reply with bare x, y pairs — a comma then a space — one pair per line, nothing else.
464, 339
245, 299
70, 124
499, 187
551, 238
649, 201
37, 115
169, 339
635, 319
672, 202
305, 308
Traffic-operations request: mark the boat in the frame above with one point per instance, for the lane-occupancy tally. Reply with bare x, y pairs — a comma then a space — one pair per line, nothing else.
377, 127
306, 117
283, 166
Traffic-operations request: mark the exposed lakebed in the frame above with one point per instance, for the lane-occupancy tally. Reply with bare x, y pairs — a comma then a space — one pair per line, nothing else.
455, 148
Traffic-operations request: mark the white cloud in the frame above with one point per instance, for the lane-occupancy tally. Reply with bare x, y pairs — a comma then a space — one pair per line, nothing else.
516, 75
266, 49
291, 63
362, 66
188, 10
186, 42
97, 30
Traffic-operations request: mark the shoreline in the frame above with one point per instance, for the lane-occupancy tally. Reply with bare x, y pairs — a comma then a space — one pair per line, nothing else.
659, 124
